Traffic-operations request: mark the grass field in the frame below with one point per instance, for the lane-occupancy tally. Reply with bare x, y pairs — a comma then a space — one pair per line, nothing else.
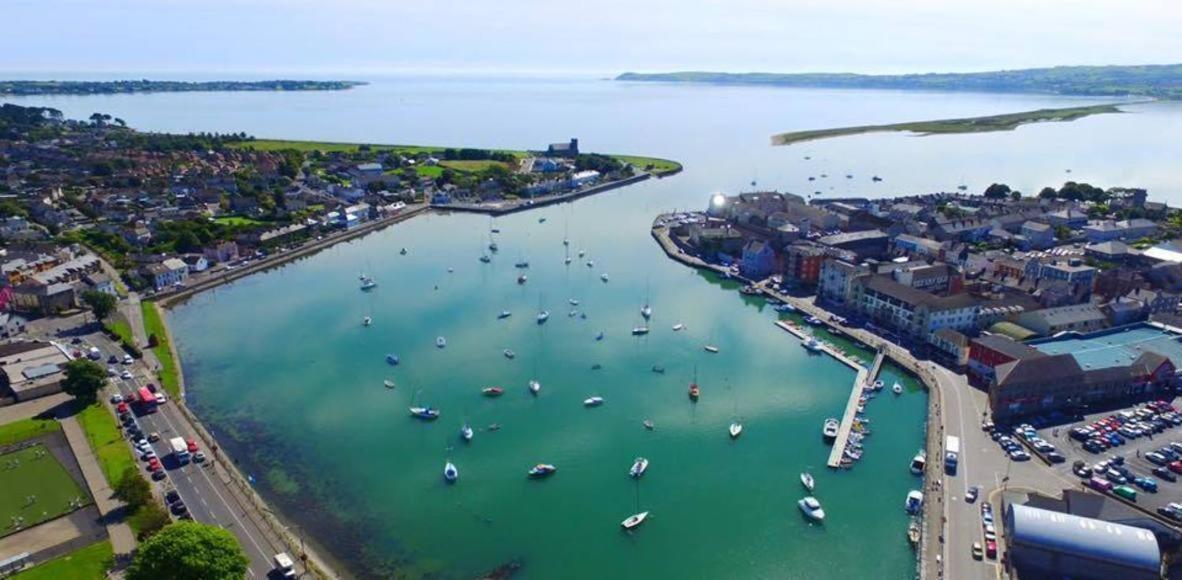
237, 220
470, 166
89, 563
331, 147
105, 440
657, 164
154, 325
26, 429
121, 328
431, 171
33, 472
1007, 122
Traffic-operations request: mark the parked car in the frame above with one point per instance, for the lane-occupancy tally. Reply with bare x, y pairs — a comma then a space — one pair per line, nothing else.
159, 475
971, 495
192, 445
991, 549
1125, 492
125, 375
1165, 474
978, 553
199, 457
116, 399
1146, 484
1055, 457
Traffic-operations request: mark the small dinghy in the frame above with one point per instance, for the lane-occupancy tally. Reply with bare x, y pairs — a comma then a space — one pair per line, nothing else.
806, 479
504, 314
440, 342
535, 387
392, 359
466, 432
648, 424
366, 321
389, 384
638, 467
542, 470
634, 521
492, 391
509, 354
735, 429
678, 327
711, 348
593, 401
425, 413
897, 389
450, 473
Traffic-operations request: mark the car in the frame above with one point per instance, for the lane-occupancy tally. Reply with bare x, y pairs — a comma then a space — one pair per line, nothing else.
126, 418
111, 372
1083, 471
1125, 492
991, 549
199, 457
996, 435
192, 445
116, 399
1019, 455
161, 398
178, 508
1055, 457
148, 455
153, 464
986, 425
172, 496
152, 387
1175, 466
112, 360
1169, 513
122, 408
125, 375
1115, 477
1176, 446
1146, 484
971, 494
153, 437
142, 445
1164, 473
127, 359
978, 553
1099, 484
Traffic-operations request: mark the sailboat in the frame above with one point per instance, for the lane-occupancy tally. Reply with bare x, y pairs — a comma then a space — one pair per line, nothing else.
535, 387
897, 389
806, 479
450, 473
388, 384
736, 427
694, 391
466, 432
639, 466
368, 284
366, 321
543, 314
633, 521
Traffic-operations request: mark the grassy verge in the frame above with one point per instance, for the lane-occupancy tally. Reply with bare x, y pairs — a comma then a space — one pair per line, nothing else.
237, 220
113, 455
651, 164
122, 329
154, 326
88, 563
462, 165
26, 429
1007, 122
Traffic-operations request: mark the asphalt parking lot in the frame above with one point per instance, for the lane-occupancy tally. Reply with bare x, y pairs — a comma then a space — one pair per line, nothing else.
1134, 451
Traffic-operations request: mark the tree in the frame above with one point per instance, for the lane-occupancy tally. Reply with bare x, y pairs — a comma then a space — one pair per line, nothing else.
1048, 193
1063, 233
84, 379
1015, 195
132, 489
189, 550
149, 519
997, 191
100, 303
188, 242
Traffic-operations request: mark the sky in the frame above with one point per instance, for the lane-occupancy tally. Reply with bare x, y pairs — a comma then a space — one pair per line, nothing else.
599, 37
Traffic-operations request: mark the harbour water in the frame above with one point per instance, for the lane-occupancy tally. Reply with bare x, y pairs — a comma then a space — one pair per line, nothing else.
281, 369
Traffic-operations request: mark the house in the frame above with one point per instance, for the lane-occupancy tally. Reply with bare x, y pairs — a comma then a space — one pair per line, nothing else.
195, 262
1036, 236
917, 246
952, 346
835, 285
581, 178
865, 244
934, 278
168, 273
1068, 217
221, 252
803, 261
1112, 251
912, 312
758, 260
1072, 271
100, 282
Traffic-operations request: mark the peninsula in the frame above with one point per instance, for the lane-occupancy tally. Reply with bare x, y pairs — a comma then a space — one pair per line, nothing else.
986, 124
1154, 81
30, 88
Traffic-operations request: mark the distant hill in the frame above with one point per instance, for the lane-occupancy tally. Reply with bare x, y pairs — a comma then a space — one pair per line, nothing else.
1157, 81
18, 88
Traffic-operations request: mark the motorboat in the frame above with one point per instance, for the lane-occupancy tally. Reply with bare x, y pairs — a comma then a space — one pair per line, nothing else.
388, 384
897, 389
451, 270
450, 473
813, 320
522, 278
878, 385
711, 348
735, 430
599, 336
535, 387
440, 341
806, 479
634, 521
542, 470
785, 307
829, 429
567, 260
638, 467
813, 345
913, 533
492, 391
495, 230
509, 354
573, 302
366, 321
596, 367
402, 251
812, 509
565, 242
694, 392
593, 401
590, 263
426, 413
392, 359
368, 284
660, 370
876, 179
485, 258
583, 315
543, 316
582, 253
504, 314
639, 330
573, 313
466, 432
646, 311
492, 247
678, 327
648, 424
521, 264
541, 220
918, 463
603, 277
914, 501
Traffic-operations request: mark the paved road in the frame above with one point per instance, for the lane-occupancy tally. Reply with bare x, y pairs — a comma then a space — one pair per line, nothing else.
206, 495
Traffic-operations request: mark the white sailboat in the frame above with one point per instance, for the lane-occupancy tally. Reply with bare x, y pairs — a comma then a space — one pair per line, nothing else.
807, 480
450, 473
634, 521
639, 466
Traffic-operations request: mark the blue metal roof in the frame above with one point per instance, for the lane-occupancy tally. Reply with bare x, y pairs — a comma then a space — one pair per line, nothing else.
1115, 347
1084, 537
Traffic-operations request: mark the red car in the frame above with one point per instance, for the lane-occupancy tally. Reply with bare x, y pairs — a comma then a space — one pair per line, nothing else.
192, 446
122, 407
991, 549
153, 464
1176, 466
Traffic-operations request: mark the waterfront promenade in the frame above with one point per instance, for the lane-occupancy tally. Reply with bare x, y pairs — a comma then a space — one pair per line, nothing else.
507, 206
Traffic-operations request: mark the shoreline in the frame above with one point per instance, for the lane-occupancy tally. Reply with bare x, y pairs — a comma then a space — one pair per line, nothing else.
519, 205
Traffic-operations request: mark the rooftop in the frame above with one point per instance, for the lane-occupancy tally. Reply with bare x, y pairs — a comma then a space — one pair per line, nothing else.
1084, 537
1114, 347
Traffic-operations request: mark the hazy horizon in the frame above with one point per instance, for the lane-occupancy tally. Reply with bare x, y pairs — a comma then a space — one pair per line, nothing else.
526, 37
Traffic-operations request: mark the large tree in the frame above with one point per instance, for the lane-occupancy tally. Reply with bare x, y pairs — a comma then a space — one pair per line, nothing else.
84, 379
189, 551
100, 303
132, 489
997, 191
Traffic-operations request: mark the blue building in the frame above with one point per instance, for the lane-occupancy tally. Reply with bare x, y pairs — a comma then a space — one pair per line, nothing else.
759, 259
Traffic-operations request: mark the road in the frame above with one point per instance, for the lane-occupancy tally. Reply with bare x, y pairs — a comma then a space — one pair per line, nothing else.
208, 498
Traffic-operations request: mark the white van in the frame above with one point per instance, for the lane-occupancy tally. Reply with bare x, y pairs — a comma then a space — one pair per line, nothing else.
284, 565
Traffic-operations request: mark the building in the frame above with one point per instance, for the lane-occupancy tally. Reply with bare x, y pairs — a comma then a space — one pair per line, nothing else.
35, 297
952, 346
1068, 217
803, 261
167, 273
31, 369
917, 246
1036, 236
222, 252
581, 178
1049, 544
758, 261
989, 351
100, 283
1074, 318
865, 244
836, 284
1072, 271
569, 150
912, 312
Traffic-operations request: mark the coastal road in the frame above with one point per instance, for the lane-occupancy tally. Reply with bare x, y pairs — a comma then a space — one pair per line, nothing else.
208, 498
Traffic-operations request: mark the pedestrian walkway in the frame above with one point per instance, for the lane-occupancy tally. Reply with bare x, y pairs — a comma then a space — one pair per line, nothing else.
32, 408
122, 540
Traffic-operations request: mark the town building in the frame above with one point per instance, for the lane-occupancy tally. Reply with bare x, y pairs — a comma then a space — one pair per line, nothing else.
910, 312
836, 283
1049, 544
758, 261
168, 273
865, 244
1051, 321
29, 370
567, 150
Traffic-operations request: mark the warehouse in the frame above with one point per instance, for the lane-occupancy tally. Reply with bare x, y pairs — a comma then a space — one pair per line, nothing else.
1047, 544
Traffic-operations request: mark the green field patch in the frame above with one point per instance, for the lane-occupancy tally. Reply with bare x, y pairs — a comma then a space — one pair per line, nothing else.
26, 429
237, 220
89, 563
650, 164
154, 326
473, 166
431, 171
36, 488
1006, 122
114, 456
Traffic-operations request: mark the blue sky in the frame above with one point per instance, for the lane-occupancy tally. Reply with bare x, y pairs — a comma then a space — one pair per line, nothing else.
599, 37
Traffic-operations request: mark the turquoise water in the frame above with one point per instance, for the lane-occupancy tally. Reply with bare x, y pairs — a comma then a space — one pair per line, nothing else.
281, 369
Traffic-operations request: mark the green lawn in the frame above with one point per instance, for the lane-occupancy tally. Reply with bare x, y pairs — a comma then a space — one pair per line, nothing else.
329, 146
237, 220
34, 473
114, 456
89, 563
26, 429
121, 329
657, 164
473, 166
154, 325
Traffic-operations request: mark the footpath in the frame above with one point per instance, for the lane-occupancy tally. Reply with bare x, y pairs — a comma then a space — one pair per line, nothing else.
122, 539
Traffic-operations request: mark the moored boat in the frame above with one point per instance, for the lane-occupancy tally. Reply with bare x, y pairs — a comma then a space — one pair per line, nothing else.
897, 389
735, 430
535, 387
829, 429
711, 348
646, 311
913, 533
639, 466
466, 432
392, 359
599, 336
592, 401
812, 344
678, 327
806, 479
812, 508
648, 424
485, 258
914, 501
509, 354
440, 341
603, 277
694, 392
522, 278
492, 391
543, 316
450, 473
388, 383
634, 521
426, 413
368, 284
639, 330
504, 314
918, 463
366, 321
542, 470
